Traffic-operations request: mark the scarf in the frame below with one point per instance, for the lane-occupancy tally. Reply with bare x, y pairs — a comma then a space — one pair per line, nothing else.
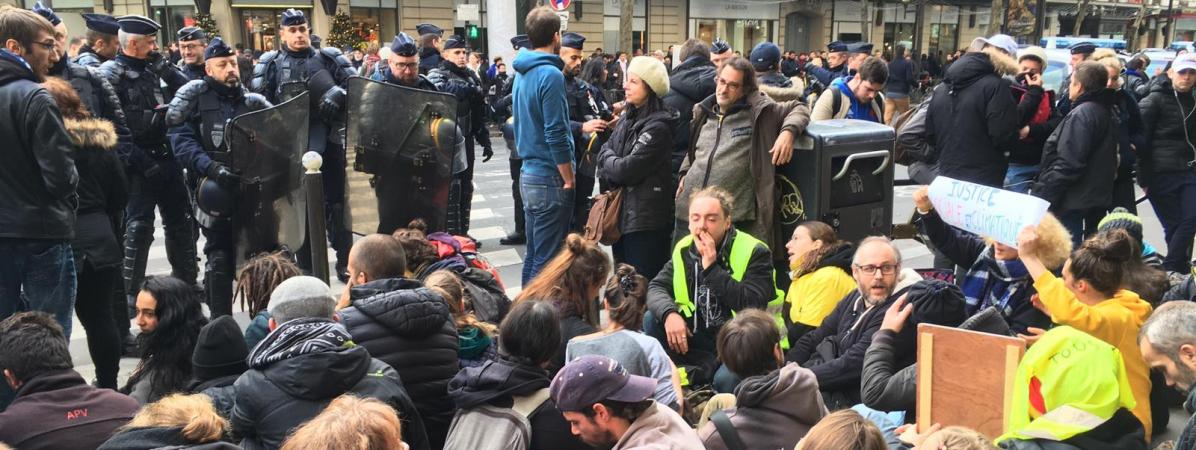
300, 337
993, 283
474, 343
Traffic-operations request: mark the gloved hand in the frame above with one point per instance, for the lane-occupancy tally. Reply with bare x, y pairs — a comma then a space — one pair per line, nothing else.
224, 175
487, 153
152, 171
333, 102
156, 64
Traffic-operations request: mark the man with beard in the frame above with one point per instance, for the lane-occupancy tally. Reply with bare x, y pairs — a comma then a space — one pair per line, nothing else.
453, 77
877, 270
198, 115
429, 47
102, 41
587, 128
1168, 344
191, 47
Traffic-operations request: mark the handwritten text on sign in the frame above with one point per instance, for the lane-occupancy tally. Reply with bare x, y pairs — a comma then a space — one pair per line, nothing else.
986, 211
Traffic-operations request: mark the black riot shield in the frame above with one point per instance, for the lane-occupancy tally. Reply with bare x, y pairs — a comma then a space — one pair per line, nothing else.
266, 147
399, 144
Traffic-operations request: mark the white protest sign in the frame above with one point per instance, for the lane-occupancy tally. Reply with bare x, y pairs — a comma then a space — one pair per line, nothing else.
986, 211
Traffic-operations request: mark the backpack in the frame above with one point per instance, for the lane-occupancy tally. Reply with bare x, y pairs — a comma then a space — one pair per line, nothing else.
878, 103
488, 427
910, 129
449, 246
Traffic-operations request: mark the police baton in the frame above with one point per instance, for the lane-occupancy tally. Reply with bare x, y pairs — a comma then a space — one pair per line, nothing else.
313, 182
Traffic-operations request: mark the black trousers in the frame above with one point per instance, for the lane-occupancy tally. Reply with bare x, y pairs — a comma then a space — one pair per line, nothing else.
516, 166
94, 304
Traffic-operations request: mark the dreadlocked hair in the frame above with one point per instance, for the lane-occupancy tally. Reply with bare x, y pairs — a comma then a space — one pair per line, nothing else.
257, 280
448, 285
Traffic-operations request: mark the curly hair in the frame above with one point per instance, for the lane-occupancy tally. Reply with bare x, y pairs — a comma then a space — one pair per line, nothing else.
194, 414
1054, 242
416, 248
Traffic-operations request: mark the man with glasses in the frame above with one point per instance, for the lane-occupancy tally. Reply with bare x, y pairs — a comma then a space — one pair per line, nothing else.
192, 41
835, 350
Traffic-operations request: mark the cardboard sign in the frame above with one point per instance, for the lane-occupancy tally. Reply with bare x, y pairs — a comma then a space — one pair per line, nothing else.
984, 210
966, 378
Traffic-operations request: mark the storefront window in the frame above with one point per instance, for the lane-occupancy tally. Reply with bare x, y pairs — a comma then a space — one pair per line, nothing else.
368, 23
740, 34
260, 28
944, 37
898, 34
172, 19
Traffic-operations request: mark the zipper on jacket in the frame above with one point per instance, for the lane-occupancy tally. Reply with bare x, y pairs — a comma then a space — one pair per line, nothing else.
718, 135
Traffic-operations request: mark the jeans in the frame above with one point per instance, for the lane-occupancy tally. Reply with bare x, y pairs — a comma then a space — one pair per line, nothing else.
547, 210
1080, 223
703, 352
1020, 177
1173, 196
646, 250
37, 275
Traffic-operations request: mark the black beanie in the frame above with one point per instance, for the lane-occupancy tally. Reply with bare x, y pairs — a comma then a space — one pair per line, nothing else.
220, 351
936, 302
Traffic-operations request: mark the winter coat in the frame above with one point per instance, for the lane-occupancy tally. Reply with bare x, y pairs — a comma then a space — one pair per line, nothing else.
1187, 437
779, 88
221, 390
1028, 151
814, 295
1137, 83
973, 118
1110, 435
659, 428
690, 83
1170, 137
102, 193
1184, 290
257, 329
1080, 158
1131, 133
901, 77
495, 382
636, 159
59, 410
835, 350
38, 177
159, 438
772, 411
409, 327
288, 384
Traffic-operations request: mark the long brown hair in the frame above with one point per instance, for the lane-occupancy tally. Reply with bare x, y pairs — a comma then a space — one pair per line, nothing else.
844, 430
350, 423
568, 278
257, 280
69, 103
818, 232
450, 286
418, 250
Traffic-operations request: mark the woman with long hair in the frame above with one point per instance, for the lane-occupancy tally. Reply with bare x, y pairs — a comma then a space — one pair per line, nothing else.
176, 421
350, 423
820, 267
255, 282
484, 294
843, 430
475, 338
170, 318
570, 282
637, 159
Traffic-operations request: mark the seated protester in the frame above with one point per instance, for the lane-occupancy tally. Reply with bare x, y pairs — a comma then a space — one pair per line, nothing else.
609, 408
475, 339
54, 407
856, 96
306, 361
1072, 391
776, 403
218, 361
995, 276
350, 423
1132, 224
820, 267
843, 430
835, 350
176, 421
528, 343
716, 270
403, 324
1168, 342
484, 294
170, 318
255, 281
623, 340
571, 282
952, 438
1184, 290
1091, 298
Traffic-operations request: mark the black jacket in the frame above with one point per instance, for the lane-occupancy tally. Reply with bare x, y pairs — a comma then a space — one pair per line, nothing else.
636, 158
1131, 133
102, 193
1170, 148
221, 390
157, 438
1137, 83
974, 119
901, 77
38, 176
690, 83
496, 381
1080, 158
1029, 151
409, 327
1121, 432
59, 410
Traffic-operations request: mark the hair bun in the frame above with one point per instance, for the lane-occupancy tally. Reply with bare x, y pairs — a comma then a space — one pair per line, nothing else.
418, 224
1114, 245
575, 243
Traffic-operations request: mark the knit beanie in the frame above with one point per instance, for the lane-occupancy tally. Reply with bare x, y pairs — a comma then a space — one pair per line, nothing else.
652, 71
765, 56
1123, 219
936, 302
220, 350
301, 296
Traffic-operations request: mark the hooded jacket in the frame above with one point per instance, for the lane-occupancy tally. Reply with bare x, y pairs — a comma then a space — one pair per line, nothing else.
1187, 438
814, 295
824, 107
294, 375
636, 158
539, 103
690, 83
779, 88
1171, 138
772, 411
409, 327
59, 410
1030, 100
102, 193
1080, 158
496, 381
659, 428
38, 177
158, 438
973, 118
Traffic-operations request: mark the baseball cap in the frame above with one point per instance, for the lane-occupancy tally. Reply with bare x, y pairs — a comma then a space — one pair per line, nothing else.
1184, 62
1001, 41
592, 379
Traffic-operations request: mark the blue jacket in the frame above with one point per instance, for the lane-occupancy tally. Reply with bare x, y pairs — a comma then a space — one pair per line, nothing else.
542, 112
860, 111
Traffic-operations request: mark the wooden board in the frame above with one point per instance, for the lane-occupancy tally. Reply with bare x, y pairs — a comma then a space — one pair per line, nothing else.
966, 378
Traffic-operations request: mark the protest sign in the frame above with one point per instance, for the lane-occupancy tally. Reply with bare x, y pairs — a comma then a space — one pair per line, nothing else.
966, 378
984, 210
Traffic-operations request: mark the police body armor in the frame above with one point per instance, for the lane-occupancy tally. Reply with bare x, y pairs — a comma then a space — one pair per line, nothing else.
99, 100
144, 105
400, 158
213, 128
296, 75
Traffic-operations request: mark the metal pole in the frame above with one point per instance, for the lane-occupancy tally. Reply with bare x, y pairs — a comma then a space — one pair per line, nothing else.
1170, 23
1040, 22
317, 228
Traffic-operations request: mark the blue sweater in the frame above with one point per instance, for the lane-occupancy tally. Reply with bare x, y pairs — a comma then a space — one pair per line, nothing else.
541, 113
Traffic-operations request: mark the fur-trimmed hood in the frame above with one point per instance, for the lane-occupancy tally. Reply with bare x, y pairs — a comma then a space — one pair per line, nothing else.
976, 65
91, 133
783, 94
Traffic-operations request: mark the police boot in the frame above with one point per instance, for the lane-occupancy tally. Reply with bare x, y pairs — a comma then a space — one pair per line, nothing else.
138, 238
218, 283
181, 252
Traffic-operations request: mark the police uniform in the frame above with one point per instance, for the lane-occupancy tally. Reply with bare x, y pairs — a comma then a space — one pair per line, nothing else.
825, 76
197, 117
515, 163
192, 71
429, 57
100, 23
282, 74
583, 107
471, 118
403, 45
1063, 105
155, 178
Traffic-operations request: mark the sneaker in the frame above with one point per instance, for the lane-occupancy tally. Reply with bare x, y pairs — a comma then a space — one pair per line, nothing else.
513, 239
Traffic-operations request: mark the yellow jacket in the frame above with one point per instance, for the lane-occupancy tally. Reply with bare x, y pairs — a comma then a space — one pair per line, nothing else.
814, 295
1116, 321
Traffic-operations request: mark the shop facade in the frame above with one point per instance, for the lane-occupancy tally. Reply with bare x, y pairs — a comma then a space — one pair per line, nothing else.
741, 24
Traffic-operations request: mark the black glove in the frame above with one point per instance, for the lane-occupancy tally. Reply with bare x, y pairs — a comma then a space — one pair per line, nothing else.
223, 175
332, 102
156, 64
152, 171
487, 153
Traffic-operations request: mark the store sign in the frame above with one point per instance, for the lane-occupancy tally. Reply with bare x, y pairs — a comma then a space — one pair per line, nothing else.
713, 9
469, 13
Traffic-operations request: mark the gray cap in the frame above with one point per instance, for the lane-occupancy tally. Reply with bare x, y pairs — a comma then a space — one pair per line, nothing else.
301, 297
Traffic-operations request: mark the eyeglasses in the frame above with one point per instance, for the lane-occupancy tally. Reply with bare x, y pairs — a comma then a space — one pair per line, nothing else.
730, 85
885, 269
48, 45
408, 66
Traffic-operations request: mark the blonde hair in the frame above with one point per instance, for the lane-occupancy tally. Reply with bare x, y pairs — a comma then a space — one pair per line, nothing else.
844, 430
1108, 58
350, 423
960, 438
1054, 242
449, 285
193, 413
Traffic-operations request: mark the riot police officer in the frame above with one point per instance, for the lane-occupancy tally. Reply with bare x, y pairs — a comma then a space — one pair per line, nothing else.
155, 179
402, 65
429, 50
586, 122
102, 41
192, 41
197, 118
297, 68
453, 77
502, 108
